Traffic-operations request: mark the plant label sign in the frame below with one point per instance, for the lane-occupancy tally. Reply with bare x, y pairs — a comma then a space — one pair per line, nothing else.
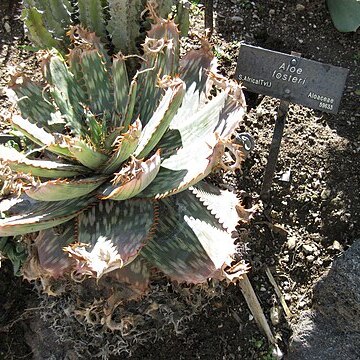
292, 78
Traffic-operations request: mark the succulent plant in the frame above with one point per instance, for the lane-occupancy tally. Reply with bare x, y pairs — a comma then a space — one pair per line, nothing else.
119, 23
116, 187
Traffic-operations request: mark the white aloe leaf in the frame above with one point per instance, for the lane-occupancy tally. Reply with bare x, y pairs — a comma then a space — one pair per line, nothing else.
162, 117
49, 245
111, 234
57, 190
133, 178
185, 168
40, 136
190, 244
32, 131
124, 145
42, 168
43, 215
221, 203
86, 154
195, 67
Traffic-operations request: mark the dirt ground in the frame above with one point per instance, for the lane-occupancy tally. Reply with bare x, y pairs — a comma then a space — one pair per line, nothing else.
310, 219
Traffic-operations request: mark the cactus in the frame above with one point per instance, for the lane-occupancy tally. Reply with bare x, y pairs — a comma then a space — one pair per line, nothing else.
119, 185
119, 23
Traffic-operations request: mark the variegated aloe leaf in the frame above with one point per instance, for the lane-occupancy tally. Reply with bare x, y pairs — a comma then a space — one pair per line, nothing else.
133, 178
58, 190
136, 274
42, 168
111, 234
34, 103
97, 81
67, 93
43, 215
190, 244
92, 17
121, 85
49, 245
161, 51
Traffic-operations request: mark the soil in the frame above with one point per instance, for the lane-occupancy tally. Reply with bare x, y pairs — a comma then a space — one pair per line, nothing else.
308, 221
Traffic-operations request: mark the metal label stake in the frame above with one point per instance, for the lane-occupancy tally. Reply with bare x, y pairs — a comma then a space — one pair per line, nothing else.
274, 149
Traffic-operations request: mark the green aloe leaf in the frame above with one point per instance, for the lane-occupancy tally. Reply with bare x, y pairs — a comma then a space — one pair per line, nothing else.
39, 34
43, 215
124, 145
49, 245
115, 232
42, 168
86, 155
159, 122
58, 190
55, 15
190, 244
345, 14
133, 178
130, 105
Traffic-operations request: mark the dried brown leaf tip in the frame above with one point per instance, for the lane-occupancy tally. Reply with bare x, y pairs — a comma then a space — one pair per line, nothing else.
246, 215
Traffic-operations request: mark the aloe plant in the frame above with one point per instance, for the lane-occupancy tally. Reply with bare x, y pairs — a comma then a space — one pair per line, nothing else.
119, 23
118, 187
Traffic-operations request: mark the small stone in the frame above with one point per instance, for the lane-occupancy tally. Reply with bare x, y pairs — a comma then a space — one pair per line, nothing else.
7, 27
336, 245
300, 7
310, 258
308, 249
325, 194
237, 19
271, 12
262, 288
291, 242
275, 315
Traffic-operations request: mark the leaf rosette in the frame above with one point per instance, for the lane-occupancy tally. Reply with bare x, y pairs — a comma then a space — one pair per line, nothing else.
118, 187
